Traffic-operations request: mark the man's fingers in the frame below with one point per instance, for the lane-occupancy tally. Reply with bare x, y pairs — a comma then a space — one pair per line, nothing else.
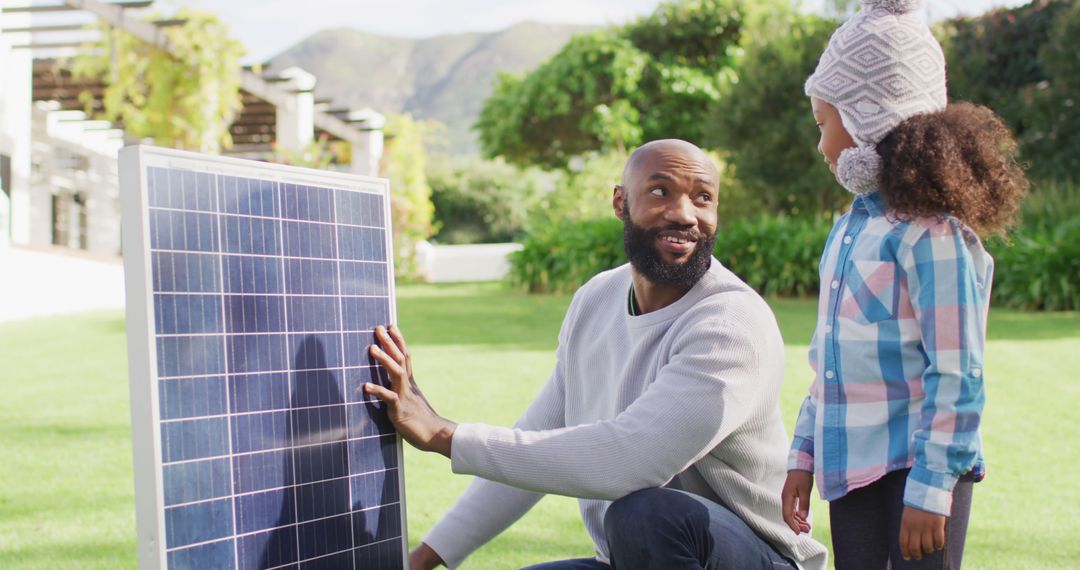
388, 396
399, 339
388, 345
391, 365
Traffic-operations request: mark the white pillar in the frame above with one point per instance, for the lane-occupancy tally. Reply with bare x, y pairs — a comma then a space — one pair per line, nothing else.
367, 147
15, 114
296, 119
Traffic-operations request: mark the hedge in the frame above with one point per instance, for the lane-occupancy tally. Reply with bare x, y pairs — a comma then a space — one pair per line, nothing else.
1036, 268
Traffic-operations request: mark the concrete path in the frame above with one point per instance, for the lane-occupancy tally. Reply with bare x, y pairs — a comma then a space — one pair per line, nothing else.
35, 282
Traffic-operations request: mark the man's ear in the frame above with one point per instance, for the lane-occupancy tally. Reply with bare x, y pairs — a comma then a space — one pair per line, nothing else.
618, 198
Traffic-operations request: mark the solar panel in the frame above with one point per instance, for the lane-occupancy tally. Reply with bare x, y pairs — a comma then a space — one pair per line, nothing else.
252, 292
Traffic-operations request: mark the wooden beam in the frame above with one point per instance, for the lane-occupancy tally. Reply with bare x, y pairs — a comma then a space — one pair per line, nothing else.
67, 7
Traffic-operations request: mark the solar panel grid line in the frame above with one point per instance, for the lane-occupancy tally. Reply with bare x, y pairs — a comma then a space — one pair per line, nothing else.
212, 420
225, 347
268, 218
216, 497
293, 525
289, 378
341, 339
346, 368
255, 412
264, 255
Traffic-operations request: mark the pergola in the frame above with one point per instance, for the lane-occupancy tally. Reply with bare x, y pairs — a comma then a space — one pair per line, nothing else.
257, 126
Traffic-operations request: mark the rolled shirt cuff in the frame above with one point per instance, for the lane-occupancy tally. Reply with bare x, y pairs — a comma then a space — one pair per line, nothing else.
929, 491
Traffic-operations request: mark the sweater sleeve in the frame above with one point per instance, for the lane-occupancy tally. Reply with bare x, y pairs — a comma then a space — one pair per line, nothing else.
947, 302
704, 392
487, 508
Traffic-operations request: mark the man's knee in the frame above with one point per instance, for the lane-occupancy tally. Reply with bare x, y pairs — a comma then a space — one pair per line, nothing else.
634, 517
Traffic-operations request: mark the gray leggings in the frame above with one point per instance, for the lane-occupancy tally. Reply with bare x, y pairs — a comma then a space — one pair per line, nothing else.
866, 526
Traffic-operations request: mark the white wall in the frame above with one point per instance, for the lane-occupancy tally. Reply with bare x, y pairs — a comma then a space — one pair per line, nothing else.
15, 105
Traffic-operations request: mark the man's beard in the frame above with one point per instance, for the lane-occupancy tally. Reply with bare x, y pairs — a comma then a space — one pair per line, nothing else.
642, 251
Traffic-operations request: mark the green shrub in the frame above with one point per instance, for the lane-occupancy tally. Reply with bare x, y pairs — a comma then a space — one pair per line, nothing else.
1039, 269
558, 258
1038, 266
775, 255
484, 201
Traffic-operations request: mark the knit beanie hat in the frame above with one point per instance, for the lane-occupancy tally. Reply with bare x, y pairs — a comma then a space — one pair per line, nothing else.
881, 67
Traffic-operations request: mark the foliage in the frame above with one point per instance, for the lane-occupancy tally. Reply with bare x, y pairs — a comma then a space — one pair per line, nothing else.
561, 256
582, 99
483, 201
320, 154
1022, 64
411, 210
582, 192
1038, 266
764, 124
185, 97
776, 255
614, 89
1039, 269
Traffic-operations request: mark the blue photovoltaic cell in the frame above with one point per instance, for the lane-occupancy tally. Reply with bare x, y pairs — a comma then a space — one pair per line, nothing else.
265, 295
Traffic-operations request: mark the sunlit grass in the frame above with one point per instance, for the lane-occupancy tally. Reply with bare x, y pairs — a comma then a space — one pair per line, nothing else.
481, 353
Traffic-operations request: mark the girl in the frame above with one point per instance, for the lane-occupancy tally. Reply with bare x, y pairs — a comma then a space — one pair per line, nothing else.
890, 428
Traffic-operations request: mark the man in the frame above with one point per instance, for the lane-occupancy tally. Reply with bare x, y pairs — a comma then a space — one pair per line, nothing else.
662, 413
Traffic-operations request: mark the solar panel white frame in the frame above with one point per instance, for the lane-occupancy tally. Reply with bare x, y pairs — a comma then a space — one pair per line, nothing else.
142, 354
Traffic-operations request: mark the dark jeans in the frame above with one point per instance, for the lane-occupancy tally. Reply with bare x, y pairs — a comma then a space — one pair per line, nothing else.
669, 530
866, 526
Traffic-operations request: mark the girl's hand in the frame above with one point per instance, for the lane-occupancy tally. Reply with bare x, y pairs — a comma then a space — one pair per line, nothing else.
408, 409
795, 500
921, 533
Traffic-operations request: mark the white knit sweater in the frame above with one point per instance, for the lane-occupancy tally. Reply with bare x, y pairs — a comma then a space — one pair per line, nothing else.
686, 396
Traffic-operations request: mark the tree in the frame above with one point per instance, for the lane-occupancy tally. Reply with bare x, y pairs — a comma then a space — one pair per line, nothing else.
403, 162
614, 89
763, 121
185, 97
1022, 64
584, 98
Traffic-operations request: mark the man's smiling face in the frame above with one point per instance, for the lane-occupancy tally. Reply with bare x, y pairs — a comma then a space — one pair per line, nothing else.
667, 201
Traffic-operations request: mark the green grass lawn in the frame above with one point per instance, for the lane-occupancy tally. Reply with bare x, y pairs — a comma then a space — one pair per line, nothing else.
481, 353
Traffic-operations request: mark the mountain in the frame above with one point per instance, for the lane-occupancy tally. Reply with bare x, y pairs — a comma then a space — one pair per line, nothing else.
445, 78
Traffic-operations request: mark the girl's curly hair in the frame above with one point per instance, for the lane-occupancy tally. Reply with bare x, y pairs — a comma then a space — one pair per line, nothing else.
960, 161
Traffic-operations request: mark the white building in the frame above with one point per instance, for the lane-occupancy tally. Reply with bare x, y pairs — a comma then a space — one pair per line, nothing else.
58, 170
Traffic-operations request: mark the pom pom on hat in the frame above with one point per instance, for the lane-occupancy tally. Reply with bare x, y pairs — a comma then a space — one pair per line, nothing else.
894, 6
858, 170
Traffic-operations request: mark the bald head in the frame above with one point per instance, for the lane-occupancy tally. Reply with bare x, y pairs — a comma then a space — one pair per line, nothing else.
672, 149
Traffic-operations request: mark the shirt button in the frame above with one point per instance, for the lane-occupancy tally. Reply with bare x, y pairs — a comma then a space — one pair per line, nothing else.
847, 239
977, 372
828, 328
835, 284
829, 374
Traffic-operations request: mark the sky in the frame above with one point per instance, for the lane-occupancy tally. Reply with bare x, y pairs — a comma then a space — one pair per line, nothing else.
268, 27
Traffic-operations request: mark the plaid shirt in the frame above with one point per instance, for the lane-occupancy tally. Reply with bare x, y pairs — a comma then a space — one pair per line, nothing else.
897, 356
